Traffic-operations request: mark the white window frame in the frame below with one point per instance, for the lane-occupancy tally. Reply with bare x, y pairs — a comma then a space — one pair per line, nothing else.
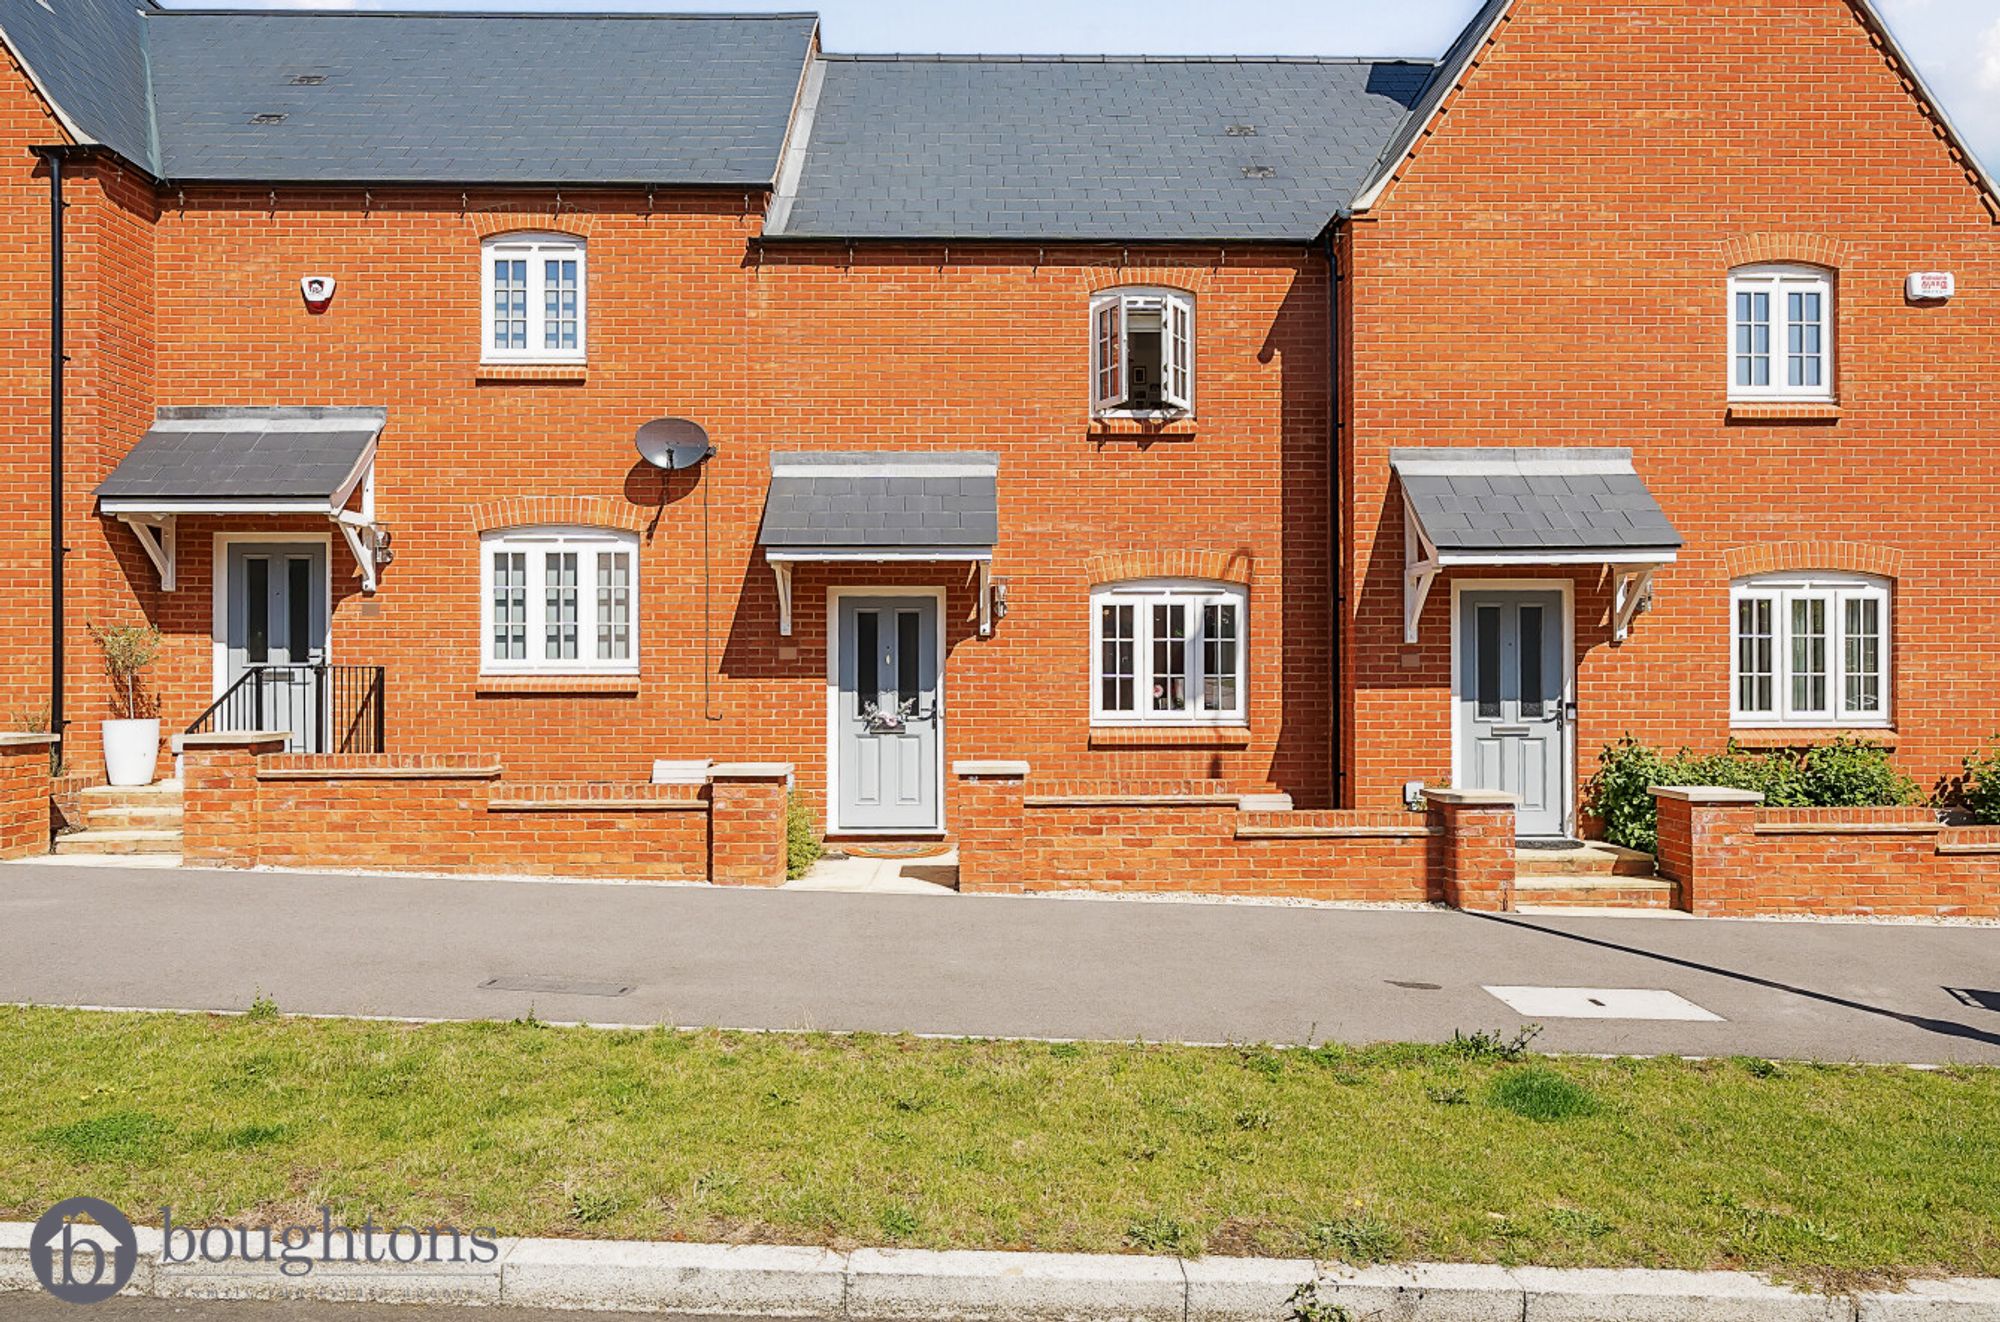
590, 544
1142, 594
1111, 337
1836, 590
1779, 281
537, 250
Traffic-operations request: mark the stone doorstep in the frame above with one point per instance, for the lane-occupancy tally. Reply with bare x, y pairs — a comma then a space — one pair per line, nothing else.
904, 1285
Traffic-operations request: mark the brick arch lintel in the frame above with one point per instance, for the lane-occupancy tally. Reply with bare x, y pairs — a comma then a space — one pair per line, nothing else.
1142, 274
1207, 566
1799, 246
559, 511
529, 218
1783, 557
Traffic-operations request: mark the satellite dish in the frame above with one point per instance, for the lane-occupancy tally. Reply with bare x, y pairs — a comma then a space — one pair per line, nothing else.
674, 444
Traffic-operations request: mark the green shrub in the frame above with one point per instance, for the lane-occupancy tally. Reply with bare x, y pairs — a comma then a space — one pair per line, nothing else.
1980, 790
803, 843
1847, 773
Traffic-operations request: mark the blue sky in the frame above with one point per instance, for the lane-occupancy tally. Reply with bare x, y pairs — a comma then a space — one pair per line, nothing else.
1955, 42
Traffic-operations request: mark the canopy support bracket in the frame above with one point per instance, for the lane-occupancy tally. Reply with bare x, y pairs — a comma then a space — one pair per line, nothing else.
782, 570
1420, 571
985, 598
1632, 594
158, 538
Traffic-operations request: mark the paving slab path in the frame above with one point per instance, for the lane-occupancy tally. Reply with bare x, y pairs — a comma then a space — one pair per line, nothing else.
416, 947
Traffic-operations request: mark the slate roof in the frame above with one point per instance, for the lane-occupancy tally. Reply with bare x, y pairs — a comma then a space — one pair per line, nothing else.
421, 98
89, 57
1053, 148
244, 456
1513, 501
861, 500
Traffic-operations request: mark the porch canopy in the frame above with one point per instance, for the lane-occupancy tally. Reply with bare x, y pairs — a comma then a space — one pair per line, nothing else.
1530, 506
223, 461
881, 506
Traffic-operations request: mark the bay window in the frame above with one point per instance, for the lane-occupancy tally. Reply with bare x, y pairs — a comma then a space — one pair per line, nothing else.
1168, 654
560, 601
1810, 649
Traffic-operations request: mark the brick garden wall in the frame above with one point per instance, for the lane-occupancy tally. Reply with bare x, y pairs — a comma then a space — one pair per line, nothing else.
1549, 269
25, 823
250, 806
1736, 858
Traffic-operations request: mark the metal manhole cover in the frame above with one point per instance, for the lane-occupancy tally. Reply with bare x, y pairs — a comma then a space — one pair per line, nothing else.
555, 986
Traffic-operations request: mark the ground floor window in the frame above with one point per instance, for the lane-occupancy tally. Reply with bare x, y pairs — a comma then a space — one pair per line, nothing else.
560, 601
1811, 649
1168, 653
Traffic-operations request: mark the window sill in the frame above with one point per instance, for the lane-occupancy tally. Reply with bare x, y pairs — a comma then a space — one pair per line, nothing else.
1809, 736
533, 372
1783, 410
1150, 425
608, 685
1169, 736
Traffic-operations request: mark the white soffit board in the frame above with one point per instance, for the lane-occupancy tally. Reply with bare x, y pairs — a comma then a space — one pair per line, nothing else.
1602, 1003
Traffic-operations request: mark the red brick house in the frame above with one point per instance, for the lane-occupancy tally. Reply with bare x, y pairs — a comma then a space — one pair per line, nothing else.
1301, 428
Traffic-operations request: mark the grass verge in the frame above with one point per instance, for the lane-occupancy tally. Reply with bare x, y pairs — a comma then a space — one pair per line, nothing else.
1457, 1153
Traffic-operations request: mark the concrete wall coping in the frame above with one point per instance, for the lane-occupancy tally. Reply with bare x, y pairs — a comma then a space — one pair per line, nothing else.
29, 740
990, 769
1473, 798
1707, 794
236, 739
750, 771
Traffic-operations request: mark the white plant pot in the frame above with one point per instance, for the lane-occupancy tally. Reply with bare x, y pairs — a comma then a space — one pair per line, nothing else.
131, 752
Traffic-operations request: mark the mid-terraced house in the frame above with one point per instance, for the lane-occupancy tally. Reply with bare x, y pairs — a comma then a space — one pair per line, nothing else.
580, 393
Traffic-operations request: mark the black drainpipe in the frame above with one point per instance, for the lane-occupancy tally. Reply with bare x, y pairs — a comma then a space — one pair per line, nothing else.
54, 156
1337, 518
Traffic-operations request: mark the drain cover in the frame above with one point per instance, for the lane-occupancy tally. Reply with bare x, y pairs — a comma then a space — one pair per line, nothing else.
555, 986
1417, 986
1601, 1003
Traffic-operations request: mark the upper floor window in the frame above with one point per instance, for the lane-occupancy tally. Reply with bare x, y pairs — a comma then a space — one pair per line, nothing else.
1811, 649
1142, 351
534, 311
1168, 653
1780, 333
560, 600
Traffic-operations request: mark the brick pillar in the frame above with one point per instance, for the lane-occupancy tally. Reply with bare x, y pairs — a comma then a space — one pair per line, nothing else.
1704, 838
219, 797
24, 794
1473, 854
991, 818
746, 823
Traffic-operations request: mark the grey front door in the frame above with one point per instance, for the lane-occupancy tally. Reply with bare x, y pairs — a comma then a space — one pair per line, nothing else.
1511, 688
887, 717
277, 614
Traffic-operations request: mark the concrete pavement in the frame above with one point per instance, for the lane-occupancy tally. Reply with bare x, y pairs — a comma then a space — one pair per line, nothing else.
977, 966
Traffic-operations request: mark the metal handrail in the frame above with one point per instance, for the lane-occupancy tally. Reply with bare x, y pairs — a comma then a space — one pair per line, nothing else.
326, 708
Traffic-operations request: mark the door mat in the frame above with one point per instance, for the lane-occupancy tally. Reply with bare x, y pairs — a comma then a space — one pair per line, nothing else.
926, 849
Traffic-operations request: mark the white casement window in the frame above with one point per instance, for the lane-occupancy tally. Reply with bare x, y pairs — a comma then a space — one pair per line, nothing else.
1810, 649
1168, 654
560, 601
1780, 333
535, 299
1142, 352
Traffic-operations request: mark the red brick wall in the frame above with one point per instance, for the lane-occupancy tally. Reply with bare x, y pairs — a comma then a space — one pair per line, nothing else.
1743, 860
1195, 838
1550, 270
24, 796
446, 813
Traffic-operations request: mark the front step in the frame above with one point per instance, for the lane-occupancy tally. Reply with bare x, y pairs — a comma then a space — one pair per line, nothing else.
1591, 858
1581, 892
126, 821
119, 844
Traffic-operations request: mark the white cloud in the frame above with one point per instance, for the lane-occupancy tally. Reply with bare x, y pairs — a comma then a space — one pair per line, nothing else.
1989, 59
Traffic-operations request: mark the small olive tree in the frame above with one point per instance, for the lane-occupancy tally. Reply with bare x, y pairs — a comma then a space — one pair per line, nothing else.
129, 649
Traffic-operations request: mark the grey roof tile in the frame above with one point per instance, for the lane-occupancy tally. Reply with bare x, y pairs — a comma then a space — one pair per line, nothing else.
244, 455
891, 499
1045, 148
1523, 499
89, 56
